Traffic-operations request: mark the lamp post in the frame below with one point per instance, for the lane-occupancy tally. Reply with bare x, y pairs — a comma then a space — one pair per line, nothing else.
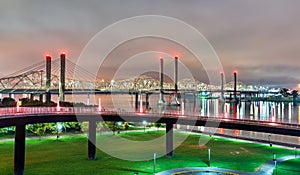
154, 162
58, 129
208, 157
119, 127
295, 152
269, 136
144, 123
275, 162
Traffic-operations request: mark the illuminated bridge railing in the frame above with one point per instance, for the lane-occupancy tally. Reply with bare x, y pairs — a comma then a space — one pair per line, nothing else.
14, 111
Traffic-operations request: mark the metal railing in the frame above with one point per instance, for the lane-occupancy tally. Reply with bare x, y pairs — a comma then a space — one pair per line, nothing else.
13, 111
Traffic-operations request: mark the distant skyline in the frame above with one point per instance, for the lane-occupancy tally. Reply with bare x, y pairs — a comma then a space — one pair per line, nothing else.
260, 39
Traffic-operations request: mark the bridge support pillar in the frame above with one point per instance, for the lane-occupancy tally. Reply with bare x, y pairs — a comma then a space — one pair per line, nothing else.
31, 96
19, 157
147, 100
169, 139
41, 97
92, 141
136, 101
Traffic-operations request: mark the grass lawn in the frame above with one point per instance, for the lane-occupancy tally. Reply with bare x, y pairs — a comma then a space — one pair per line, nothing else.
68, 156
290, 167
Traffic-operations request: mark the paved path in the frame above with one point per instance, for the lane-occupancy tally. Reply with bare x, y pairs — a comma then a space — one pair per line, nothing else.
265, 169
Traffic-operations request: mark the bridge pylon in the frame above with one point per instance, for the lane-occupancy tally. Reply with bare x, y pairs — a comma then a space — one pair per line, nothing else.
48, 78
161, 77
62, 76
175, 101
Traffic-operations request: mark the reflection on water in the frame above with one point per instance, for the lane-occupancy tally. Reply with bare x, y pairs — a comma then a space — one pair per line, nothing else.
193, 105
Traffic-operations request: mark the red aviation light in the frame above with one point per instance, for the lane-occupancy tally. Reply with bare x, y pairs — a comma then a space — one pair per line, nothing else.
48, 56
63, 55
161, 58
176, 56
235, 71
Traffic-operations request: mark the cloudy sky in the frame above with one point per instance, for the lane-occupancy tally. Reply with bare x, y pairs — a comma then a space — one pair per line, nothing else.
261, 39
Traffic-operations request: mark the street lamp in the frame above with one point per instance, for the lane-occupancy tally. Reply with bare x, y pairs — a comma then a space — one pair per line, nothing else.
275, 162
58, 129
154, 162
208, 157
144, 123
269, 136
119, 126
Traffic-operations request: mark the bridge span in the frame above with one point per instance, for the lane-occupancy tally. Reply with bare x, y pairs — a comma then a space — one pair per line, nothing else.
30, 115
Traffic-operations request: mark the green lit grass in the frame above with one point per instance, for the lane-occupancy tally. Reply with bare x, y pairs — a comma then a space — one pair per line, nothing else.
68, 155
290, 167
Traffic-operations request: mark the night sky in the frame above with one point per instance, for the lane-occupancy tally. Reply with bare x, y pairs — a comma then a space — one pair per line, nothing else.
261, 39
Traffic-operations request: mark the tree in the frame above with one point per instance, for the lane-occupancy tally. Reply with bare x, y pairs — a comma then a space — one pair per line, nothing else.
72, 126
157, 125
9, 102
26, 102
112, 126
40, 128
126, 126
284, 92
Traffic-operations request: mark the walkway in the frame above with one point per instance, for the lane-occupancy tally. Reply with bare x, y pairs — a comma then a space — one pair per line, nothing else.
265, 169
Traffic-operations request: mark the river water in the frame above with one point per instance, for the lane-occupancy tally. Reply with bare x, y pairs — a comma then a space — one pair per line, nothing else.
195, 105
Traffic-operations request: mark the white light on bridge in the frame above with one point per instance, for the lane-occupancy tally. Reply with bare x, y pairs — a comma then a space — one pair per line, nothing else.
99, 105
58, 107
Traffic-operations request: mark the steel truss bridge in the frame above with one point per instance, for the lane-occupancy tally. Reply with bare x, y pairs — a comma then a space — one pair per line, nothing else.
32, 80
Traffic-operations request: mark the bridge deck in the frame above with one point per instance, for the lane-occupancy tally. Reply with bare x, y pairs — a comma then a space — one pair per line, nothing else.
29, 115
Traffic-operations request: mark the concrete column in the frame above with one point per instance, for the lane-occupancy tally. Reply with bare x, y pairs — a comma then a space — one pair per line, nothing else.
136, 101
62, 76
161, 77
169, 139
19, 157
92, 141
48, 77
31, 96
41, 97
147, 100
